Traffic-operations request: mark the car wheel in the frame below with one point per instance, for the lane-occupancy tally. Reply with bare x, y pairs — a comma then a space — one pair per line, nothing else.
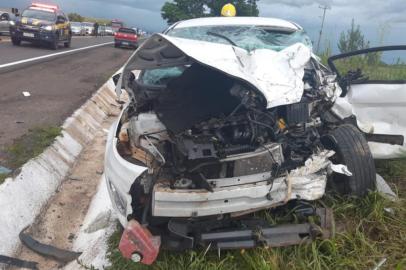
54, 44
16, 41
67, 44
353, 151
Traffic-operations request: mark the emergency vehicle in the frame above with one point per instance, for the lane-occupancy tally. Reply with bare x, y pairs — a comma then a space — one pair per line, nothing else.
44, 24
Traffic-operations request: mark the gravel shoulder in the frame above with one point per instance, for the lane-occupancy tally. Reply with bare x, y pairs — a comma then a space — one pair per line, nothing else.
63, 216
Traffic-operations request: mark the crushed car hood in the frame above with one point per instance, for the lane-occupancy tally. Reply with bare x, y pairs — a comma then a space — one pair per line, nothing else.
278, 75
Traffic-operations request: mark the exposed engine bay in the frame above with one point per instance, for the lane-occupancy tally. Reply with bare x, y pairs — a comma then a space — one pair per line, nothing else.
203, 128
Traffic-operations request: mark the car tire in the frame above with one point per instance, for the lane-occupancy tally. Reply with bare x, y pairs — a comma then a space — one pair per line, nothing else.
352, 150
16, 41
67, 44
54, 44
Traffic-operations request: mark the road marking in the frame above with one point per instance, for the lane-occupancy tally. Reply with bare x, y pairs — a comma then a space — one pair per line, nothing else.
52, 55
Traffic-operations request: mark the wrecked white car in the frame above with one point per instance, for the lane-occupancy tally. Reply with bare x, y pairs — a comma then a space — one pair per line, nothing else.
229, 116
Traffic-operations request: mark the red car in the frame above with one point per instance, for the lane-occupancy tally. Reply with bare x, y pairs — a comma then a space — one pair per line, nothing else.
126, 37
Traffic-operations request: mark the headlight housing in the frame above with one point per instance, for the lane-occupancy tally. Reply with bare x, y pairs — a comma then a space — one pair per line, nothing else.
47, 28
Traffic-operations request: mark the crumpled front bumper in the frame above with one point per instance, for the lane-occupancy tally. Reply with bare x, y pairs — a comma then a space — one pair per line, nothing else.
245, 198
305, 183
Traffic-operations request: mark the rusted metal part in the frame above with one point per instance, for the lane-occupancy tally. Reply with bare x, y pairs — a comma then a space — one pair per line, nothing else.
327, 222
138, 244
18, 263
58, 254
275, 236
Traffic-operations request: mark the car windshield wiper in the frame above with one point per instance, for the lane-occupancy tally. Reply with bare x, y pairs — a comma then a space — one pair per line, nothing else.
223, 37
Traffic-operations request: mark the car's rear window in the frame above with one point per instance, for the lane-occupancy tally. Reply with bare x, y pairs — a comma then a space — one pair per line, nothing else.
126, 30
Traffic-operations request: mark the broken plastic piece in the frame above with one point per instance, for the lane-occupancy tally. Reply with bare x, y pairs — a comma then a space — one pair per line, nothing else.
138, 244
18, 263
48, 250
340, 168
384, 189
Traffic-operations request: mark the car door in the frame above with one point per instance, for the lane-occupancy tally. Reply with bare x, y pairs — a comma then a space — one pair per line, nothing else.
4, 22
374, 84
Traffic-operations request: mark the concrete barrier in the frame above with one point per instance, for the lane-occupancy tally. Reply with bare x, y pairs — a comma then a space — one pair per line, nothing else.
22, 197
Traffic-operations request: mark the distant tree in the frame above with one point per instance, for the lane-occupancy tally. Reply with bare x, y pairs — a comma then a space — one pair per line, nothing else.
352, 40
182, 10
244, 7
187, 9
74, 17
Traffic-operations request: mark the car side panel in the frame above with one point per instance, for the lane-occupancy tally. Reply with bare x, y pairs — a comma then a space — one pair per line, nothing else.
381, 107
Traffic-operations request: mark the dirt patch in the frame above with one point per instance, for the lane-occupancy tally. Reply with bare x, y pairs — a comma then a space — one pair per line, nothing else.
63, 216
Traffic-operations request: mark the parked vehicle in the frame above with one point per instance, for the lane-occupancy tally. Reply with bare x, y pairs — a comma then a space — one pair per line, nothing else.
78, 29
109, 31
231, 116
126, 37
89, 27
102, 30
45, 24
116, 25
7, 19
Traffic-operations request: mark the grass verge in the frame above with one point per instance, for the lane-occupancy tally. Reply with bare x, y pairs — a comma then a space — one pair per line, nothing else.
29, 146
3, 177
369, 230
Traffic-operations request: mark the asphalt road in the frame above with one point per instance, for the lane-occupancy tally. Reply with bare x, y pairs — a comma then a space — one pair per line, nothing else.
57, 87
10, 53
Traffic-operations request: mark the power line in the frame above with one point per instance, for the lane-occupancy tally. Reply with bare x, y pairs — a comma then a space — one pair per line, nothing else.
324, 8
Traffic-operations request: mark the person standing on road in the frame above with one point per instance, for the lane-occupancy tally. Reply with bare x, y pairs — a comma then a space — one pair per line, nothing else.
96, 29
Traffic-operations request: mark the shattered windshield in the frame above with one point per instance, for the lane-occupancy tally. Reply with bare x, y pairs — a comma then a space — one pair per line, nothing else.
246, 37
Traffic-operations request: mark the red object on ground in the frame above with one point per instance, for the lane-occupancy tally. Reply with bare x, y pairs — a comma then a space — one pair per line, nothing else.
138, 244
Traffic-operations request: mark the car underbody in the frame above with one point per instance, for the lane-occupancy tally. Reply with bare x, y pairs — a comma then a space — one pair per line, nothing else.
213, 144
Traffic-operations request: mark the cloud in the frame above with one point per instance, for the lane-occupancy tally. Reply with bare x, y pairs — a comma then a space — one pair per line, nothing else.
297, 3
370, 14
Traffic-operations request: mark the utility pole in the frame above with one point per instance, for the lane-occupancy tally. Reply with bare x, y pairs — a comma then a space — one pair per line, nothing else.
324, 8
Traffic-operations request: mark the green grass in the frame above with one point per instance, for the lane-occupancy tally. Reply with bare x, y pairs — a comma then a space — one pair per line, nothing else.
28, 146
366, 233
3, 177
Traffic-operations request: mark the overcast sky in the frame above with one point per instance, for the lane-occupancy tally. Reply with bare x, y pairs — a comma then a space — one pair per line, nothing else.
372, 15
